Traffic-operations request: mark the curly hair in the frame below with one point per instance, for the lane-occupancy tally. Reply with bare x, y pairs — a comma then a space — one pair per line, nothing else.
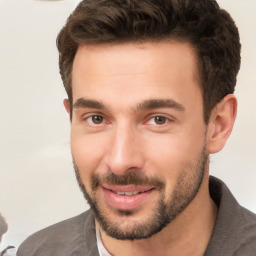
208, 28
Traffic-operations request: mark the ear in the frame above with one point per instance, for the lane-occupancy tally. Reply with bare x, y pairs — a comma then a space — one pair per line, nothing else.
221, 123
66, 105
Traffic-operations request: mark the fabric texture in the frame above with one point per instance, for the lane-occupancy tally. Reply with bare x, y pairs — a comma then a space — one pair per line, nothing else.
234, 233
101, 248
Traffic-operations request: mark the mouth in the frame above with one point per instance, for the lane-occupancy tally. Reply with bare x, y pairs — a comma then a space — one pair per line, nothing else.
126, 197
129, 193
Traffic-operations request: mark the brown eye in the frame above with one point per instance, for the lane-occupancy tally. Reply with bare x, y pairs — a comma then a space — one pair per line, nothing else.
159, 120
97, 119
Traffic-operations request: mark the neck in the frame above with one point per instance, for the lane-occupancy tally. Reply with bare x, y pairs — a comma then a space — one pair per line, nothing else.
188, 234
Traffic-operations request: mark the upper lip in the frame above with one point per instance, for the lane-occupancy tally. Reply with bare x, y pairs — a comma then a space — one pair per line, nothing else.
127, 188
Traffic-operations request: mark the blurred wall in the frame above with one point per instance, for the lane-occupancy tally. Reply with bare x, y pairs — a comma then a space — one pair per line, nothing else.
37, 185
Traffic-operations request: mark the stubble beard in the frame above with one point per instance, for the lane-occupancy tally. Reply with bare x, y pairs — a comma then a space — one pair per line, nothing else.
187, 186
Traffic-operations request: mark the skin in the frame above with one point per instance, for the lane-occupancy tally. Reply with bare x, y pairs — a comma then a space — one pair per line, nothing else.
118, 135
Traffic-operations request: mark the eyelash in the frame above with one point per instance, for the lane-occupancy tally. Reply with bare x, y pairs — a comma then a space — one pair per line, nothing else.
150, 121
91, 122
164, 121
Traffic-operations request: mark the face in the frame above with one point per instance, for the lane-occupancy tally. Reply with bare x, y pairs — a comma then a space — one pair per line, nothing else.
137, 134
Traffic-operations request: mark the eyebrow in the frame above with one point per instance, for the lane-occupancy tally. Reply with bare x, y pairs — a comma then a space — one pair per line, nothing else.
86, 103
145, 105
160, 103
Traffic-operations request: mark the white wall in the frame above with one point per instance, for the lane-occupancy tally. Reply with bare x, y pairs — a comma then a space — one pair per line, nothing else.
37, 185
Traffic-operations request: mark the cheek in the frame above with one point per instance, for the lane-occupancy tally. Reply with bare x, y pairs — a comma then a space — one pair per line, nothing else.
171, 154
87, 153
172, 148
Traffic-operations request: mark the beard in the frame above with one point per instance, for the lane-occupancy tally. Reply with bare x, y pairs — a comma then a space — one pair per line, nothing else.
168, 207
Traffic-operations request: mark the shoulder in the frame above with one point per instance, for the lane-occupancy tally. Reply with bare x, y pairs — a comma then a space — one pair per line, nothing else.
67, 237
246, 233
235, 228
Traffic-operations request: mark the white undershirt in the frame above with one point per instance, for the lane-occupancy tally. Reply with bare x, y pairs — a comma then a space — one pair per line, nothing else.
101, 248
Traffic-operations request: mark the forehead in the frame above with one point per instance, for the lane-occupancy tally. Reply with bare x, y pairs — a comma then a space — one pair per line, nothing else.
158, 53
122, 70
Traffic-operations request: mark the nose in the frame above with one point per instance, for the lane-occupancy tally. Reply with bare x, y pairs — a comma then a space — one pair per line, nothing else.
125, 151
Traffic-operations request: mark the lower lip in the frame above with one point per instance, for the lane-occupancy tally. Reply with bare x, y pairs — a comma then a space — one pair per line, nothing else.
122, 202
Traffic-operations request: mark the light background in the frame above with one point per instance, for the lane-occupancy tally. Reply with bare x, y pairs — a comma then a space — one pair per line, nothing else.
37, 184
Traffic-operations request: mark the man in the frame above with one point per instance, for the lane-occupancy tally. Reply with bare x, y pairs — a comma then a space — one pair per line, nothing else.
150, 96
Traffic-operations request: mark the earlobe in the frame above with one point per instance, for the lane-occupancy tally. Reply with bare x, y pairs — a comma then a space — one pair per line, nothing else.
66, 105
221, 123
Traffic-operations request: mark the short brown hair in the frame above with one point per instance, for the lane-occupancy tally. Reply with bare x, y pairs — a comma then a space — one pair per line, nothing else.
208, 28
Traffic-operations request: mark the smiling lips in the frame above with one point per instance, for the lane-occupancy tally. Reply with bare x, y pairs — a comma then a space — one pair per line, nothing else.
127, 193
126, 197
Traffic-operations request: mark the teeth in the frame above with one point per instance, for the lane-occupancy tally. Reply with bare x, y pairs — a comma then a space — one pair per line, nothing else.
127, 193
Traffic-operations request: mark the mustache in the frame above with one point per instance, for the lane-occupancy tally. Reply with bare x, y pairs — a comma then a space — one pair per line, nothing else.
130, 178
